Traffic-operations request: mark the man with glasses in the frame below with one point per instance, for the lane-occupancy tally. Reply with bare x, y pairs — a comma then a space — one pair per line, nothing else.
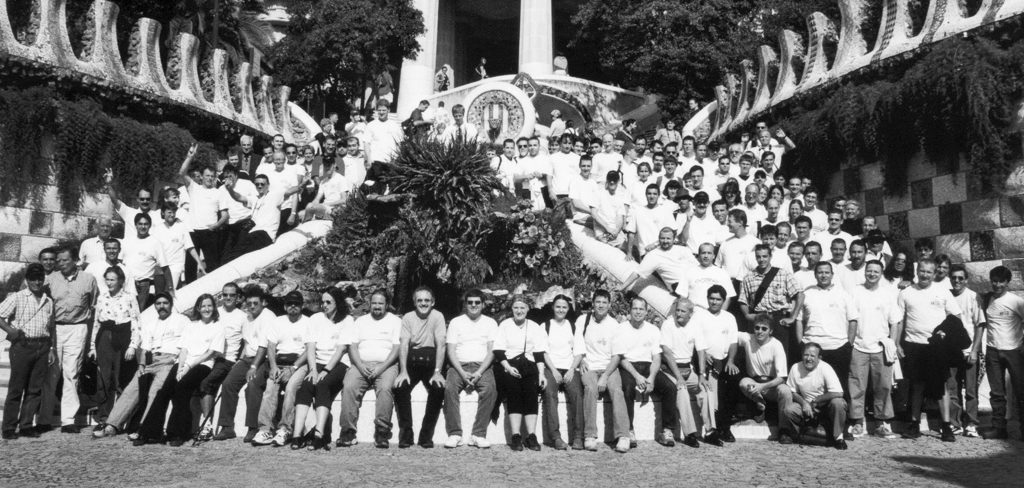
144, 197
266, 216
964, 377
470, 339
286, 345
766, 372
833, 232
250, 370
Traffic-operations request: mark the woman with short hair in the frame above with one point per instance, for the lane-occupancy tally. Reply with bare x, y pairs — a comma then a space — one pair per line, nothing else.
519, 348
115, 329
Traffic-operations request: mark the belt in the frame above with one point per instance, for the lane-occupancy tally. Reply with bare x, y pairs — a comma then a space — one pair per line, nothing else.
34, 339
111, 323
682, 365
84, 322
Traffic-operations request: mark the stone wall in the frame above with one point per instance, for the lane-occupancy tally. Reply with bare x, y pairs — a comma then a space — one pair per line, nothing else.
982, 227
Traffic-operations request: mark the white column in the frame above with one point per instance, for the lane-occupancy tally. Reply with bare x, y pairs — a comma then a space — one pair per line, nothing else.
417, 79
536, 40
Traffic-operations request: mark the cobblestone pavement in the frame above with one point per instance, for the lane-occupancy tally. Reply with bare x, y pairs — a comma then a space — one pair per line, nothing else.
64, 460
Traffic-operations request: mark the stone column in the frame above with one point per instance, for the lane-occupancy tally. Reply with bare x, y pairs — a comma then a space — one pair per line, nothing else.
417, 79
536, 39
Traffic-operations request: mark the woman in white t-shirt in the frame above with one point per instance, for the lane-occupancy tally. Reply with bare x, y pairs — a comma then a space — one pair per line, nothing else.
519, 348
327, 340
201, 341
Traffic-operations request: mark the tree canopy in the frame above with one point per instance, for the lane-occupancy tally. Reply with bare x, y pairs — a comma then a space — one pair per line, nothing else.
332, 48
683, 48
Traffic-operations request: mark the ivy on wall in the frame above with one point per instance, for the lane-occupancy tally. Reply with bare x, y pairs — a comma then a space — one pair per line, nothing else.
86, 141
958, 98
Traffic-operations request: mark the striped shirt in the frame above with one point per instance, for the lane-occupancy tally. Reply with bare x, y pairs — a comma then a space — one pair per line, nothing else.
27, 313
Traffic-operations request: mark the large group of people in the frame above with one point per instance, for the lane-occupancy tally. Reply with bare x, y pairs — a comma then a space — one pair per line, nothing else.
762, 317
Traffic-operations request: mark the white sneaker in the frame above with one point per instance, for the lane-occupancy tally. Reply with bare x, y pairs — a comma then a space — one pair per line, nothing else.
590, 444
263, 438
133, 436
282, 437
479, 442
970, 431
622, 445
858, 430
453, 441
207, 433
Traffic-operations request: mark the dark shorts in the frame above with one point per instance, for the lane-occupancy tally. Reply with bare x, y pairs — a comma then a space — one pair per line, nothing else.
922, 365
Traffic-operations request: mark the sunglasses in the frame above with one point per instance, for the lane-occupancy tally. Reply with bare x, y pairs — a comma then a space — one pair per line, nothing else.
259, 185
523, 146
474, 302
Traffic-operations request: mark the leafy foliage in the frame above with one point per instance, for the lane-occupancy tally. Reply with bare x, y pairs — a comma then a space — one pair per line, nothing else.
540, 247
335, 48
25, 118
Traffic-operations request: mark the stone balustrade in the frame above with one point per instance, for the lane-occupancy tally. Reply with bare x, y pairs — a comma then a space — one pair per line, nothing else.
207, 85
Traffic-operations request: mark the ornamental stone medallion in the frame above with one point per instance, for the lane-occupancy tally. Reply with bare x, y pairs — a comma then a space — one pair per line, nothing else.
501, 110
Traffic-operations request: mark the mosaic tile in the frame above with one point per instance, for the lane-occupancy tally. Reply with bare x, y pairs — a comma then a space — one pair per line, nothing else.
957, 246
950, 219
923, 222
851, 181
921, 193
898, 227
977, 274
15, 220
945, 166
31, 245
41, 223
949, 188
897, 203
10, 247
1017, 267
871, 176
977, 187
1008, 242
873, 203
982, 246
980, 214
919, 168
1011, 211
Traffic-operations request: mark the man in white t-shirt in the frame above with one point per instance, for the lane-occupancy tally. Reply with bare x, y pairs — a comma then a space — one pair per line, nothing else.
334, 191
817, 397
266, 216
756, 213
851, 274
702, 226
700, 185
565, 165
127, 214
145, 260
1004, 315
669, 260
209, 211
583, 190
766, 371
354, 162
819, 219
470, 338
91, 250
734, 253
706, 275
639, 362
609, 210
647, 222
383, 136
964, 377
600, 371
922, 307
720, 334
683, 346
176, 240
374, 355
286, 344
608, 160
876, 304
833, 232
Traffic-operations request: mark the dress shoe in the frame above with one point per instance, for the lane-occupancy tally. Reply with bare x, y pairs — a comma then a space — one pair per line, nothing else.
691, 440
71, 429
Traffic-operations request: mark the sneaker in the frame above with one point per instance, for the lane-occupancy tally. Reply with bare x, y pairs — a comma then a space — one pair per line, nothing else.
205, 434
995, 433
453, 441
632, 440
531, 442
947, 433
263, 438
250, 435
98, 427
885, 431
381, 440
347, 439
590, 444
666, 438
226, 433
858, 430
404, 439
913, 430
107, 431
426, 444
282, 438
971, 431
622, 445
176, 442
318, 443
133, 436
957, 430
479, 442
516, 443
691, 440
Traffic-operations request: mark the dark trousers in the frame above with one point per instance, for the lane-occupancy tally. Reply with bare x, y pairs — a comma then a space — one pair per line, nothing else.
231, 387
840, 359
997, 363
29, 363
49, 407
111, 343
283, 226
403, 403
573, 407
234, 233
179, 425
152, 425
664, 387
249, 242
211, 243
728, 393
787, 336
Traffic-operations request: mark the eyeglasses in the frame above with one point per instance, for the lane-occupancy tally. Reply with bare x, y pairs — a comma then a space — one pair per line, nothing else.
145, 199
761, 328
474, 302
522, 146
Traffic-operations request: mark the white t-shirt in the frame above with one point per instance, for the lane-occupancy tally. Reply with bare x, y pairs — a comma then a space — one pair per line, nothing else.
206, 205
266, 213
254, 332
561, 340
1005, 315
720, 331
197, 338
596, 342
236, 210
375, 338
469, 338
825, 239
91, 250
233, 322
819, 220
973, 315
611, 208
672, 265
383, 139
827, 313
162, 336
763, 360
877, 310
280, 182
527, 339
586, 191
755, 216
924, 310
603, 163
705, 230
732, 255
98, 269
648, 222
355, 169
812, 384
128, 216
563, 168
336, 190
175, 241
506, 169
638, 344
683, 340
144, 257
289, 336
848, 277
328, 336
701, 279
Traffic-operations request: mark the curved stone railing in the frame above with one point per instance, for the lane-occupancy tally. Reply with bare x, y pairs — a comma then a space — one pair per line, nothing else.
181, 81
733, 107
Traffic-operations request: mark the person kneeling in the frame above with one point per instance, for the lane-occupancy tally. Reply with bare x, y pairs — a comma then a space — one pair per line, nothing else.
817, 398
766, 370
